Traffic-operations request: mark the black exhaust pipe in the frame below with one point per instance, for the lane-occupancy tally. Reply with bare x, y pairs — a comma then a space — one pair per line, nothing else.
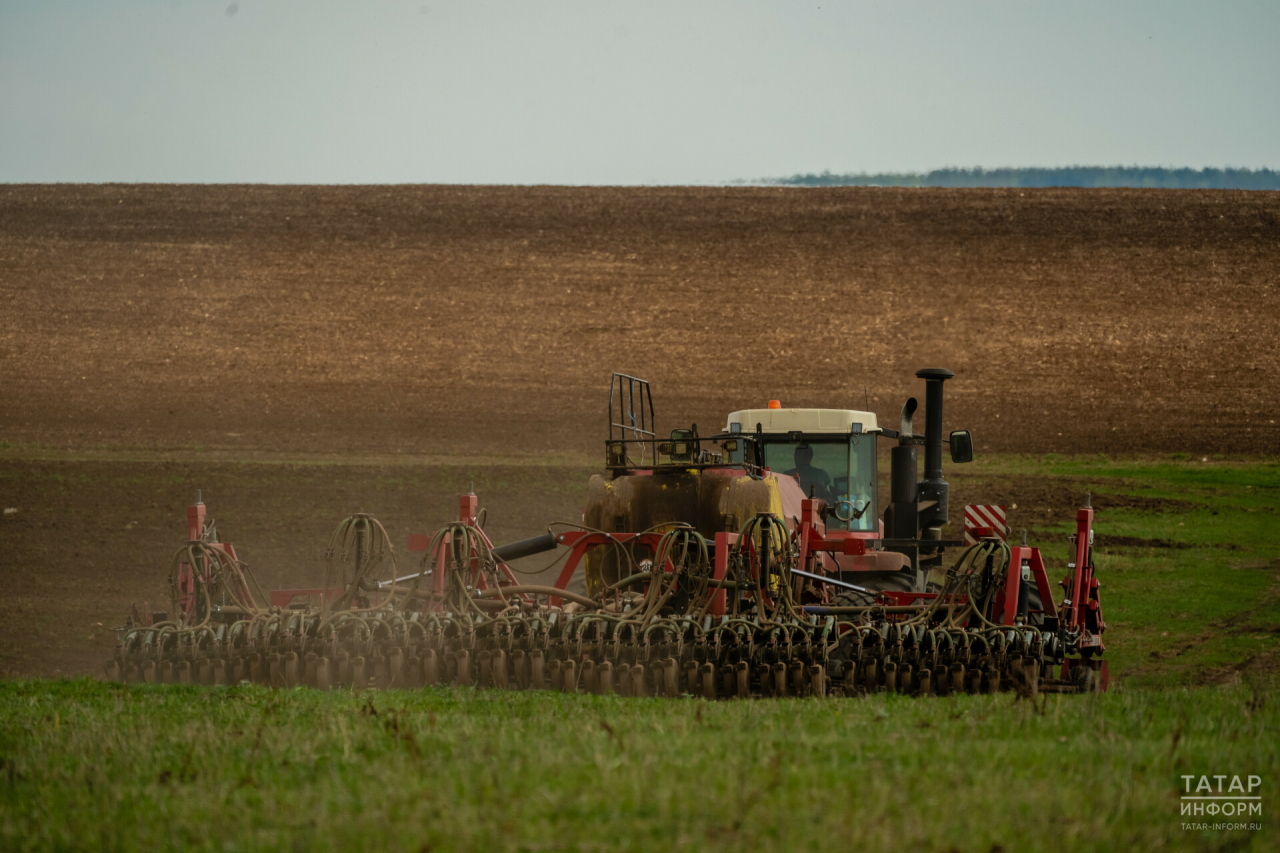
904, 489
933, 488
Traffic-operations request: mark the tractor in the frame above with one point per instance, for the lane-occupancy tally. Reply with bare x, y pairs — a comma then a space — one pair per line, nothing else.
757, 561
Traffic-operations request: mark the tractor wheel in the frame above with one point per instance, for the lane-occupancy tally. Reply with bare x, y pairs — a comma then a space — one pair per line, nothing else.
900, 581
853, 598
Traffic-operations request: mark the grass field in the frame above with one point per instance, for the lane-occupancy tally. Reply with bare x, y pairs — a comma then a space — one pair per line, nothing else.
98, 766
1191, 592
1189, 555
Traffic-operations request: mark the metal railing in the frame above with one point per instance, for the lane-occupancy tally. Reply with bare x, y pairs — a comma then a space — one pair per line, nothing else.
630, 421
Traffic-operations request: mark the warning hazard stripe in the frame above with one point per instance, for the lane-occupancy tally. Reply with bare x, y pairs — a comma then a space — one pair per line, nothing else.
989, 516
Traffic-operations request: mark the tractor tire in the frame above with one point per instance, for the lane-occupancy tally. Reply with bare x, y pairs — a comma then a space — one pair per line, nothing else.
903, 581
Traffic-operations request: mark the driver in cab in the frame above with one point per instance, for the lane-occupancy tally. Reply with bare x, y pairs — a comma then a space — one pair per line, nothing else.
810, 476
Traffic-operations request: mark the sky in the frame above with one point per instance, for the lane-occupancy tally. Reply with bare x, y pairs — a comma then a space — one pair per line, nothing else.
625, 93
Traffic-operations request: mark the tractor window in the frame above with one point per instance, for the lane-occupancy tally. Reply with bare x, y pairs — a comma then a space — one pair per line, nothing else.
840, 472
815, 464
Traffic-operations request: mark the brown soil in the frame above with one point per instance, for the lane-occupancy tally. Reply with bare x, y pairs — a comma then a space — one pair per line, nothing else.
338, 323
92, 538
428, 318
1032, 502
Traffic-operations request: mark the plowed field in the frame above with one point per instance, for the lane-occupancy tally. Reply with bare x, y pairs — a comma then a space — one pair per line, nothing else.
475, 328
435, 319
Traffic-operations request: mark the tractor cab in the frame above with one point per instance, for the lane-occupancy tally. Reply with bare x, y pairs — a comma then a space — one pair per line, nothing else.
831, 452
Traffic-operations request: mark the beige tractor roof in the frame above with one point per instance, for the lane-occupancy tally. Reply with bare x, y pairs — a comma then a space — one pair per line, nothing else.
803, 420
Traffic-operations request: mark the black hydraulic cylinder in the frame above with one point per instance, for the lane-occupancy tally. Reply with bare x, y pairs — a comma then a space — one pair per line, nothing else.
525, 547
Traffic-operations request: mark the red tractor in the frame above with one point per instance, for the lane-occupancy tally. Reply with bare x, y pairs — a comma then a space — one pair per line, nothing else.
757, 561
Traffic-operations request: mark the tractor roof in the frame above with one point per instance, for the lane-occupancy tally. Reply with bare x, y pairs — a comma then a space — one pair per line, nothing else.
835, 421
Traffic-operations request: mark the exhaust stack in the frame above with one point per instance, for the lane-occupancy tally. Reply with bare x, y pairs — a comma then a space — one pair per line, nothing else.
904, 490
933, 488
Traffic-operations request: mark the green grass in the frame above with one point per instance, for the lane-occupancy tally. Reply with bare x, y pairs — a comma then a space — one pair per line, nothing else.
99, 766
1192, 641
1185, 615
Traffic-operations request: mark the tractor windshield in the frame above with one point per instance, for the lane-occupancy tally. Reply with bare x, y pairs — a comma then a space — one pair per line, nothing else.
842, 473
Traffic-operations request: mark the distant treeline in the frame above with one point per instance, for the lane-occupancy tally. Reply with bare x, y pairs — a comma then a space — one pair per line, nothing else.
1066, 176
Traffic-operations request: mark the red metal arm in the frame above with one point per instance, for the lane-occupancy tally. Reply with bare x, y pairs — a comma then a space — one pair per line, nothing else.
1082, 609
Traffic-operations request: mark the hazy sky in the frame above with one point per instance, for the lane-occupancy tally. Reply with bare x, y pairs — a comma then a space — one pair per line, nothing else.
639, 92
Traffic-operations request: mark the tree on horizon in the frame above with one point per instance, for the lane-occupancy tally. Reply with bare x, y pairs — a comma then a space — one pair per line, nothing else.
1148, 177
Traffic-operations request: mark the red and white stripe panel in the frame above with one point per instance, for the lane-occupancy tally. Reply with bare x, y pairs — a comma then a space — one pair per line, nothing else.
984, 520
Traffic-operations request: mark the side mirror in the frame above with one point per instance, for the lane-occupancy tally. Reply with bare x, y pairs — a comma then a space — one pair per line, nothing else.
961, 446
